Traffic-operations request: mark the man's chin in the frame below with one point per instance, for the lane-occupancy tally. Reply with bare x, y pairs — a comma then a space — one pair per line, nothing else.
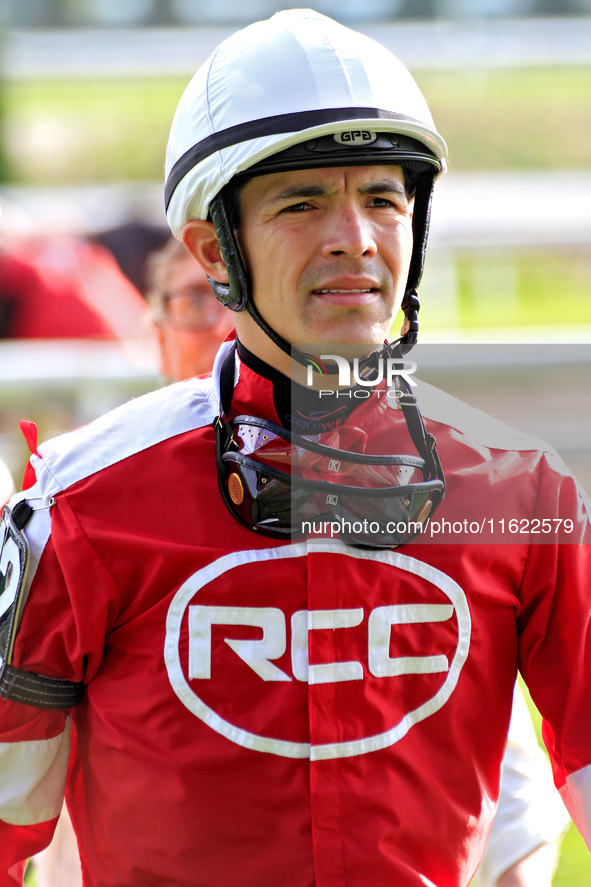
354, 335
349, 350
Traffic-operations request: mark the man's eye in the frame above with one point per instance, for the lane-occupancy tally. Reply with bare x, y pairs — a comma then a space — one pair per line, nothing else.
297, 207
381, 202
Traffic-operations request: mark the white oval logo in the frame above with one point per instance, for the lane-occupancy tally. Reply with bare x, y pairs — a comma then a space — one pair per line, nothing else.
355, 137
257, 655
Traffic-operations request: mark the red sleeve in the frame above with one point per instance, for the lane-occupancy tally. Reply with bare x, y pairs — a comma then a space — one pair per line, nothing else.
70, 607
22, 843
555, 639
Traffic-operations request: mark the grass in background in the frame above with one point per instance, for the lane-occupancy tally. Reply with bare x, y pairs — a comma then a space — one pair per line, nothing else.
507, 288
105, 129
89, 130
512, 118
574, 868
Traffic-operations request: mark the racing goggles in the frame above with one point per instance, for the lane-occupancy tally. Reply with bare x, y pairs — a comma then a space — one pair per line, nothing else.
285, 485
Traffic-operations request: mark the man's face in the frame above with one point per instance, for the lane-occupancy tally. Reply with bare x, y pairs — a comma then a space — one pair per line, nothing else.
328, 251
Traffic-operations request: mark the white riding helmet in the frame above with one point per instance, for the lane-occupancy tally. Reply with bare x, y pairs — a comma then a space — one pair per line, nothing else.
267, 99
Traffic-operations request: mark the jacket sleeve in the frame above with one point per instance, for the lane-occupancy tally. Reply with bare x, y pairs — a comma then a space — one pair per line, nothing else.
32, 789
34, 742
555, 637
59, 634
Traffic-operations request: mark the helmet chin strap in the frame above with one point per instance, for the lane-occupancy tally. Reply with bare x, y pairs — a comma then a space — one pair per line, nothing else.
237, 294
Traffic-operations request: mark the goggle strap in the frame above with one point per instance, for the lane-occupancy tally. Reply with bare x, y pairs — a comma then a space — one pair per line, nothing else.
235, 294
421, 220
423, 440
415, 425
432, 447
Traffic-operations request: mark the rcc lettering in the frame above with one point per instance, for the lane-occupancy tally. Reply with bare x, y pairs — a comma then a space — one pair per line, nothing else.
259, 653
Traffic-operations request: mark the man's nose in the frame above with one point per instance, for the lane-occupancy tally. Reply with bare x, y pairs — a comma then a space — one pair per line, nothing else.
349, 234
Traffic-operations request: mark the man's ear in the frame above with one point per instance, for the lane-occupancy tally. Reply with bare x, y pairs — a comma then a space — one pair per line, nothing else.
200, 239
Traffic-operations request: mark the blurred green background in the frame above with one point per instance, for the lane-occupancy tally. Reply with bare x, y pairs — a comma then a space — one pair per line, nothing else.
92, 130
105, 129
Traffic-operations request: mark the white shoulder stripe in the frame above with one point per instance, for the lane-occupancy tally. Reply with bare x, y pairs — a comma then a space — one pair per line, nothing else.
33, 778
130, 429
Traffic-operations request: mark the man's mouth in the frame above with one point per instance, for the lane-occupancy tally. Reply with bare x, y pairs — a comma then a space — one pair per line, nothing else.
365, 289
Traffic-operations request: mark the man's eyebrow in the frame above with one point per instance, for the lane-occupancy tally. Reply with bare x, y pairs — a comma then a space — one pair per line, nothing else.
304, 192
383, 188
301, 192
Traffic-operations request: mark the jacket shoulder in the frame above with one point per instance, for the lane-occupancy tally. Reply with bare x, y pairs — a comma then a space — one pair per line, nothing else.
135, 426
472, 423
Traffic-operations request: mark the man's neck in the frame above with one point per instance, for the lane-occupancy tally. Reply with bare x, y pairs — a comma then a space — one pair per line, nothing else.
300, 407
258, 343
252, 337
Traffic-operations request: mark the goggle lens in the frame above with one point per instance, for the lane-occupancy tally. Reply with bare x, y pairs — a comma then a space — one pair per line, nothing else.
289, 487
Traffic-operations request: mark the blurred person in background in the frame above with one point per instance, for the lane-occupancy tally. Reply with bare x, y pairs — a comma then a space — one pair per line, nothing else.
131, 243
523, 847
189, 321
66, 288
